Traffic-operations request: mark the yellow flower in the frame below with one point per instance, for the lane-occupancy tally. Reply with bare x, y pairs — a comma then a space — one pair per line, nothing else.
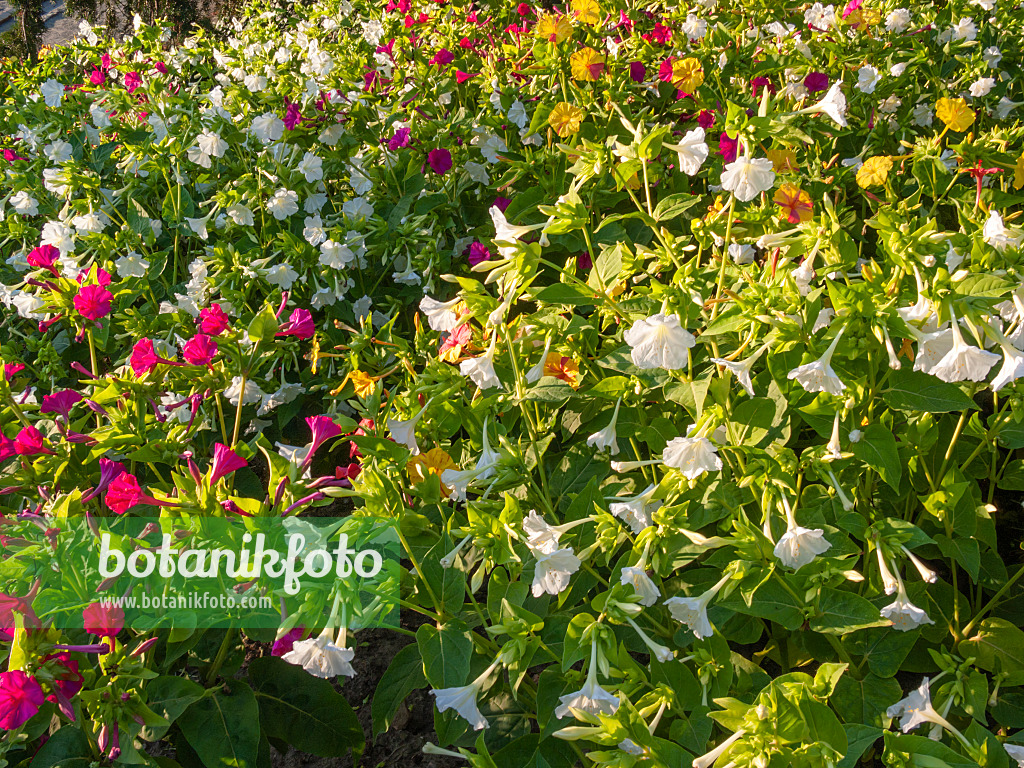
565, 119
587, 11
1018, 173
550, 26
433, 462
874, 172
564, 368
794, 202
314, 354
587, 64
955, 113
687, 74
783, 160
363, 382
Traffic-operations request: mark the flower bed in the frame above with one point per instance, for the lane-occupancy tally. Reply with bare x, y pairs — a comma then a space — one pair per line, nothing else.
678, 349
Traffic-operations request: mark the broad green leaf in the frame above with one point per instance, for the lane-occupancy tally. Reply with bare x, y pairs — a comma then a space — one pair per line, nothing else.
997, 645
63, 749
860, 738
844, 612
865, 701
224, 727
303, 710
916, 391
446, 653
676, 205
966, 552
877, 449
567, 293
169, 696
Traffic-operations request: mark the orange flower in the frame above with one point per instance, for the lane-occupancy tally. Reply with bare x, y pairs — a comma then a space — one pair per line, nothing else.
554, 28
587, 64
433, 462
783, 160
363, 382
794, 202
565, 119
564, 368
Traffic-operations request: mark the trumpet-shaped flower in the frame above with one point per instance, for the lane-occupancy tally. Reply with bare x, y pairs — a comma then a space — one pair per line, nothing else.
480, 370
659, 341
553, 570
799, 546
1012, 368
635, 511
605, 439
916, 709
441, 316
903, 614
832, 104
997, 235
741, 369
747, 178
692, 151
462, 699
818, 376
693, 611
693, 456
404, 432
509, 234
964, 361
645, 588
591, 698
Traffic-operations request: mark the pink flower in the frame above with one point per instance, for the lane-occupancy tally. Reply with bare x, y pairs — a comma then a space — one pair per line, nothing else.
8, 605
103, 619
12, 368
323, 429
292, 115
6, 447
60, 402
199, 350
442, 58
502, 203
706, 119
160, 67
400, 140
108, 471
478, 252
20, 698
225, 461
461, 77
44, 256
727, 147
67, 680
125, 492
816, 81
97, 77
300, 325
213, 320
132, 80
93, 302
144, 358
284, 644
30, 442
440, 160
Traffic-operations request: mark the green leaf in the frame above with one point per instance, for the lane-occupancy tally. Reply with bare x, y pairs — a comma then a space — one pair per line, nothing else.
403, 675
446, 653
676, 205
918, 748
917, 391
550, 390
169, 696
62, 749
224, 728
885, 649
566, 293
877, 449
865, 701
263, 326
304, 711
844, 612
966, 551
860, 737
532, 751
771, 601
997, 645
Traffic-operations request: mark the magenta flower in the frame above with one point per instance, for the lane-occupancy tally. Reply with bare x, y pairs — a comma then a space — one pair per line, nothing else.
20, 698
706, 119
284, 644
300, 325
93, 302
132, 80
758, 84
144, 358
637, 71
323, 429
30, 442
461, 77
6, 447
97, 76
440, 160
125, 492
103, 619
442, 58
816, 81
60, 402
292, 115
478, 252
108, 471
199, 350
45, 256
400, 140
502, 203
67, 680
213, 320
727, 147
12, 368
225, 461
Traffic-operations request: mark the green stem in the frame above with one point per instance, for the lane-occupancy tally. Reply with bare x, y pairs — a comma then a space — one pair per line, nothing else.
222, 652
995, 599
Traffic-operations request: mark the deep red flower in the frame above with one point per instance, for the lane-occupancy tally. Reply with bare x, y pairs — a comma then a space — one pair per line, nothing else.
523, 9
727, 147
93, 302
816, 81
292, 116
103, 619
478, 252
440, 160
199, 350
20, 698
706, 119
213, 320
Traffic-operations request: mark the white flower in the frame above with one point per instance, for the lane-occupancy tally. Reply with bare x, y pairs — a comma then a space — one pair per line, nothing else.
517, 114
90, 222
691, 150
898, 20
198, 226
591, 698
832, 104
553, 570
240, 214
490, 145
982, 86
28, 305
659, 342
931, 348
964, 361
281, 275
635, 511
818, 376
357, 208
799, 546
867, 79
24, 203
283, 204
748, 178
992, 56
821, 17
59, 235
477, 172
997, 235
285, 394
58, 152
1013, 366
131, 265
1016, 752
267, 127
480, 370
52, 93
741, 369
253, 393
694, 27
965, 29
693, 456
321, 657
904, 615
693, 611
923, 115
335, 255
463, 700
441, 316
404, 432
646, 589
708, 759
508, 233
604, 440
742, 253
